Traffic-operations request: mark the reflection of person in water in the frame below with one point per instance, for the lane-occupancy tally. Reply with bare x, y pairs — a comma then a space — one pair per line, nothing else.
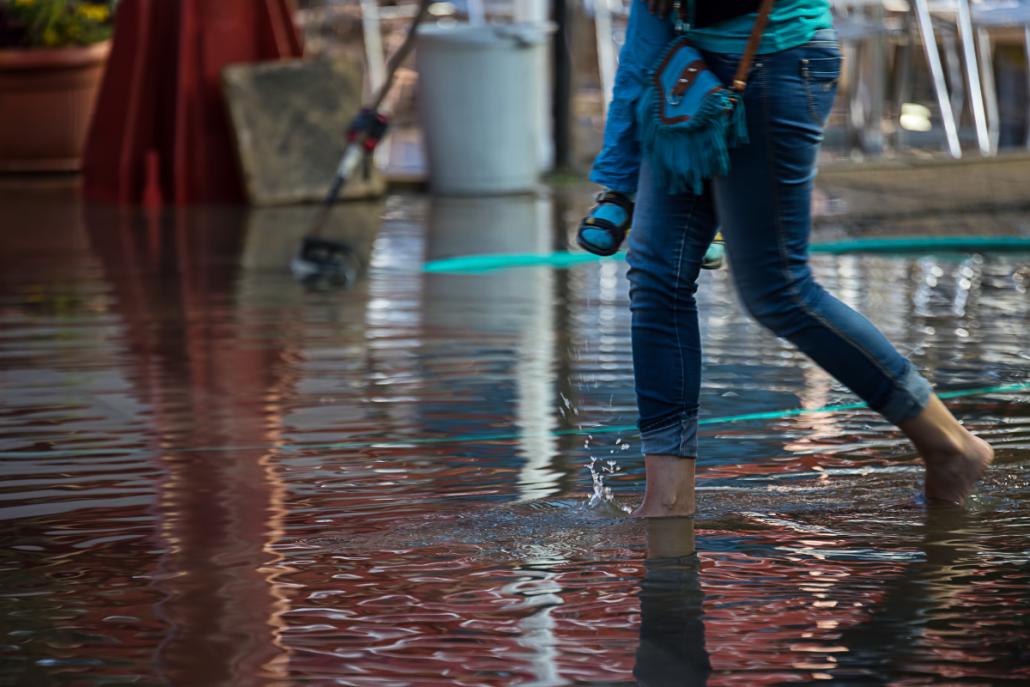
932, 594
672, 633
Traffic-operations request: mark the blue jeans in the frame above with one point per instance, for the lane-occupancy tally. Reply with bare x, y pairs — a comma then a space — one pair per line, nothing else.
764, 209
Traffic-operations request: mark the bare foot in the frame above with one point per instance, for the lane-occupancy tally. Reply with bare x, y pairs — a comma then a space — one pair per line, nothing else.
955, 458
670, 488
951, 476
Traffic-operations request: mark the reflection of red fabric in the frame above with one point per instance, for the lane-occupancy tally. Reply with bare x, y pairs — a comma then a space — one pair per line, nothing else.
162, 97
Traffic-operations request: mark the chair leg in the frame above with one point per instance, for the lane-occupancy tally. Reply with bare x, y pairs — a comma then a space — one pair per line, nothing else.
902, 84
1026, 45
856, 96
976, 94
933, 59
373, 35
986, 50
872, 139
953, 74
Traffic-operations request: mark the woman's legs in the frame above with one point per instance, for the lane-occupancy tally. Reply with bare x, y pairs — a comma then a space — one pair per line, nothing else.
666, 247
764, 207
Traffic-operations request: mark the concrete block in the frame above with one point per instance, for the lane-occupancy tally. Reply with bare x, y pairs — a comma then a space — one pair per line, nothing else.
289, 119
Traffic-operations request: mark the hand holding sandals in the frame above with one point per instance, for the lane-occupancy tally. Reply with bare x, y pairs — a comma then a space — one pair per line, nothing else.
604, 228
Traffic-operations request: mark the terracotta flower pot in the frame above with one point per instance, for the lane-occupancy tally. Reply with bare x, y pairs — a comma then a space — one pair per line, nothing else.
46, 102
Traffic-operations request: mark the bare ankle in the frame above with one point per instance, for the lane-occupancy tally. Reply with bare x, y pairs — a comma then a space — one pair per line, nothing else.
936, 434
669, 490
944, 450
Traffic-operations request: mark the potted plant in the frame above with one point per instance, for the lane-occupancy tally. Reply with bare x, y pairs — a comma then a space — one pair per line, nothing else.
52, 57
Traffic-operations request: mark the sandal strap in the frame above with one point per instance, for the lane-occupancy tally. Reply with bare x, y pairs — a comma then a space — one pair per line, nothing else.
602, 224
616, 198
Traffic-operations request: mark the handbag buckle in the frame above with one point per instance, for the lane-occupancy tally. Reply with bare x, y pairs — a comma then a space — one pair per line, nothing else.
686, 78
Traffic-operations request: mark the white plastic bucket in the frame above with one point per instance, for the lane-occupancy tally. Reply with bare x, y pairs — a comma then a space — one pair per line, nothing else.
483, 106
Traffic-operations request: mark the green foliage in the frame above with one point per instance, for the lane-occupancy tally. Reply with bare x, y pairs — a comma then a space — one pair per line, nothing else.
55, 23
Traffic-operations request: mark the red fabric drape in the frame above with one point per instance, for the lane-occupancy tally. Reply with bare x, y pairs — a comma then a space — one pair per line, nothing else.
160, 130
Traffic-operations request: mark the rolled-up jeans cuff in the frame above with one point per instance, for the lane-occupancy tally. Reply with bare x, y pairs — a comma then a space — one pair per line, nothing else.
908, 399
677, 437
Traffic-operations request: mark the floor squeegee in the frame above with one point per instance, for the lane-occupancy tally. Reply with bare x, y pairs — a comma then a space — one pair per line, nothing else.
321, 260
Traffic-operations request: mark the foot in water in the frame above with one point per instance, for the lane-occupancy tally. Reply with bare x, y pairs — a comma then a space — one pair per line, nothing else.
952, 475
669, 490
955, 458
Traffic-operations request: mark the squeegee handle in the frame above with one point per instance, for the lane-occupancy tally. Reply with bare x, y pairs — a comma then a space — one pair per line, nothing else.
356, 145
397, 59
352, 156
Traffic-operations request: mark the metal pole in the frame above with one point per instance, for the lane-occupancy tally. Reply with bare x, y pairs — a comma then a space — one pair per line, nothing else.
976, 94
933, 59
562, 101
872, 134
373, 44
1026, 45
986, 49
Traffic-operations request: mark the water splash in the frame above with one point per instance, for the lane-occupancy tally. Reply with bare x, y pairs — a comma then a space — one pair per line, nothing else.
602, 499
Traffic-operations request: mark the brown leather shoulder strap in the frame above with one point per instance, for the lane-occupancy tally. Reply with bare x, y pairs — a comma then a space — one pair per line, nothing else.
740, 80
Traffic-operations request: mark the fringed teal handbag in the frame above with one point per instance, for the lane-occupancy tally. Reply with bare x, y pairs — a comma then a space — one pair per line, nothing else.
688, 119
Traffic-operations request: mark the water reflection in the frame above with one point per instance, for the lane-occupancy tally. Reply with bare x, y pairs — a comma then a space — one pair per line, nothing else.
209, 475
672, 632
929, 607
218, 514
194, 304
517, 301
274, 235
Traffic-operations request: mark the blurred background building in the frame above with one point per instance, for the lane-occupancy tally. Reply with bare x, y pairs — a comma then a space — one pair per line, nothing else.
922, 78
925, 77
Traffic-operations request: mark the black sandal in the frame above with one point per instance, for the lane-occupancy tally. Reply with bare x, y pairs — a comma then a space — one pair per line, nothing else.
617, 232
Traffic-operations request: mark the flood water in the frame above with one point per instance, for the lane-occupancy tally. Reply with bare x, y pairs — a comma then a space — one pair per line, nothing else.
210, 475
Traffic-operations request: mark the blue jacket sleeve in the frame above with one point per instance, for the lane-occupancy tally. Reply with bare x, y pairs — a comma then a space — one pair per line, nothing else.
618, 164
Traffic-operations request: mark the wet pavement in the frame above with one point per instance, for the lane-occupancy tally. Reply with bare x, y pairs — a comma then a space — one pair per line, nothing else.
210, 475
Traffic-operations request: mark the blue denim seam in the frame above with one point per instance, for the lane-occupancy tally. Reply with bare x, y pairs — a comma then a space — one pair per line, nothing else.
809, 80
676, 300
672, 419
810, 97
785, 260
777, 220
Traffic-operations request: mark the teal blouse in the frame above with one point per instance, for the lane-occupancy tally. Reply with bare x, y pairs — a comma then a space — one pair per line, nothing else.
792, 23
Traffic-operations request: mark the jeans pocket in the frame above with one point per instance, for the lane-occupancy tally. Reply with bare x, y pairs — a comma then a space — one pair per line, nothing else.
820, 72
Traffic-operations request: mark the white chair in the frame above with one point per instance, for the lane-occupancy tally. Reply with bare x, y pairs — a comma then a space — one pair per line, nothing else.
922, 13
924, 10
864, 31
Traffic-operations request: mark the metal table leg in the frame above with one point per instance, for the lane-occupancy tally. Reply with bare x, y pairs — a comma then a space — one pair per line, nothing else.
373, 44
933, 58
1026, 45
976, 94
986, 50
